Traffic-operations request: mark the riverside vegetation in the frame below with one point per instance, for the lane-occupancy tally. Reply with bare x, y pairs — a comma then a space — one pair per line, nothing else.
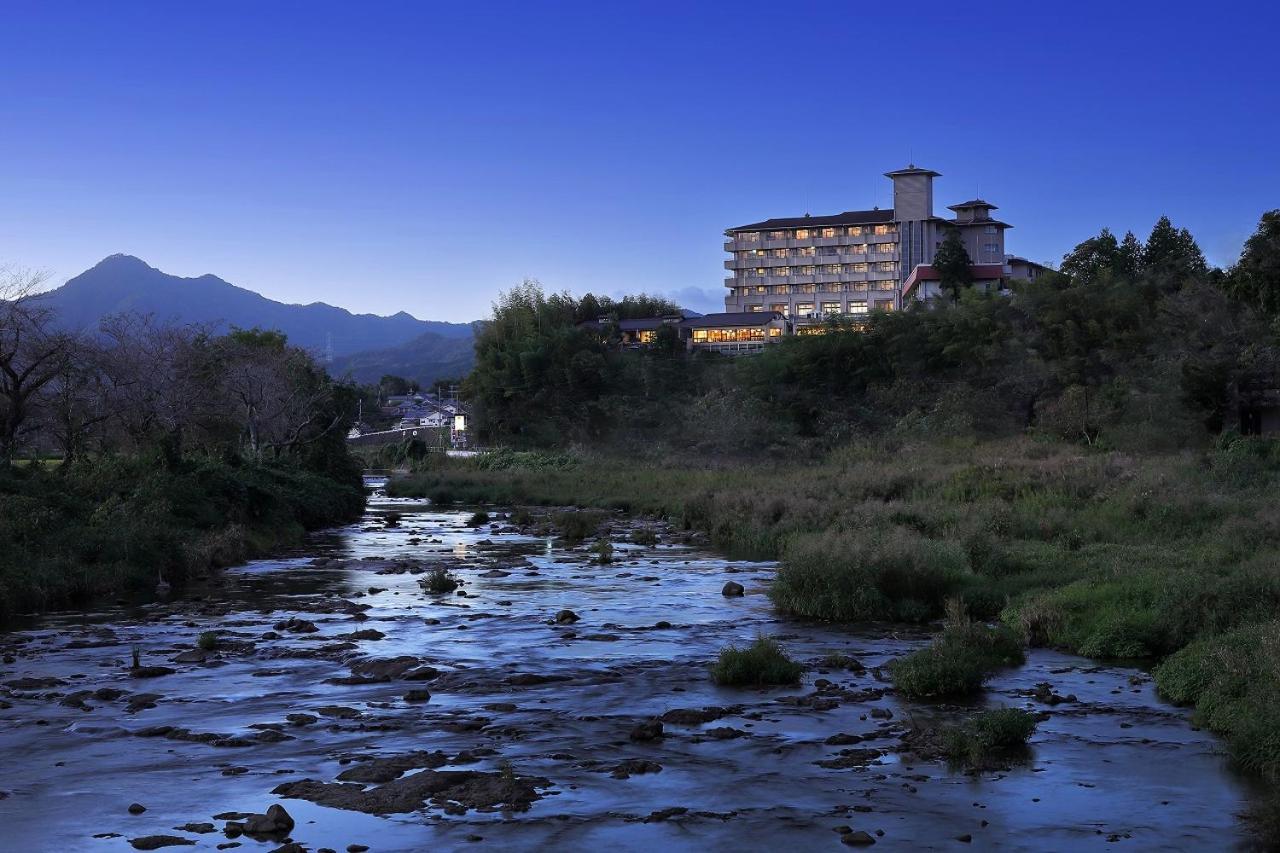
154, 453
1063, 463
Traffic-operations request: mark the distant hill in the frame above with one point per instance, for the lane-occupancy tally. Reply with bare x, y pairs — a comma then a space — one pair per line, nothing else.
125, 284
425, 358
366, 344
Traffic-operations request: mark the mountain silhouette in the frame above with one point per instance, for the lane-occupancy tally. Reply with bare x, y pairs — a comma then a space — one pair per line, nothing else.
123, 284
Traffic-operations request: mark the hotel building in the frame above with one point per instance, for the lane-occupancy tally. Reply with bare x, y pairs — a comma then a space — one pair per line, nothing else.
848, 264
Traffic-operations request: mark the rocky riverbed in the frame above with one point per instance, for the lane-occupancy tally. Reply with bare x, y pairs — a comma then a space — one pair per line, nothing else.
342, 698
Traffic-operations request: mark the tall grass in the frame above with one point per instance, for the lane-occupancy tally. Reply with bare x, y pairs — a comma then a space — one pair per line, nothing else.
111, 524
1102, 553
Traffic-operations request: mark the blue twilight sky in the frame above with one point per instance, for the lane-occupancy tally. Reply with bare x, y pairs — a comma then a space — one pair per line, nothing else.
418, 156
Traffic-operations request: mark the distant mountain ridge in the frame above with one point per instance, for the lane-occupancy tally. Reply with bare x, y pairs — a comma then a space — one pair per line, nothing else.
125, 284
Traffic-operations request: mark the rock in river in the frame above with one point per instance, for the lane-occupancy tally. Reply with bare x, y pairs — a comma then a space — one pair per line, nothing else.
155, 842
732, 589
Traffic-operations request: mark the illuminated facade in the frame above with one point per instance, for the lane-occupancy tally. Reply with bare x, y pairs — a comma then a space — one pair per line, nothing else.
848, 264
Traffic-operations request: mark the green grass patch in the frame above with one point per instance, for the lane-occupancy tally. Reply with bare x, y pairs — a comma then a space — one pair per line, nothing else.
764, 662
988, 736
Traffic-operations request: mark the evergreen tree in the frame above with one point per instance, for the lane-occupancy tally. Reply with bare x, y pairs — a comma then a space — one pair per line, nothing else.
1128, 263
1172, 254
1256, 276
953, 264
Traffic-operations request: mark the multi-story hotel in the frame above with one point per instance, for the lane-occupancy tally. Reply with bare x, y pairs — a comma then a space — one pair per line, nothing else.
809, 267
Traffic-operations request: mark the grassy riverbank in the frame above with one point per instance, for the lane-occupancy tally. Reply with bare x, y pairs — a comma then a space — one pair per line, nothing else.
103, 526
1161, 557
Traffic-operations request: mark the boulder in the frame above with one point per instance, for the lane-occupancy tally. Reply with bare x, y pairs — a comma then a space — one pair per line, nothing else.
566, 617
275, 822
732, 589
857, 838
647, 731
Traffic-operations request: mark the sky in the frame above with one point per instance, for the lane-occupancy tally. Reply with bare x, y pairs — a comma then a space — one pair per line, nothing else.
425, 157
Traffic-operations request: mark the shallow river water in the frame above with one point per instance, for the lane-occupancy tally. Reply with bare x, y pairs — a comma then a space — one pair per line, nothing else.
519, 702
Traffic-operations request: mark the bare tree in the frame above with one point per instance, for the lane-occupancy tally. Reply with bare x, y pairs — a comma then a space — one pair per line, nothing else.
161, 385
33, 353
78, 402
281, 397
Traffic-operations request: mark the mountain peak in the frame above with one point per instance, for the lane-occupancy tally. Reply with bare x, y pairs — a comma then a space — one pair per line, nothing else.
122, 261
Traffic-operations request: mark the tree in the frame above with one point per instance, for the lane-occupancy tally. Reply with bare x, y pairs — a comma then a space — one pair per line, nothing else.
282, 397
1255, 278
1128, 262
33, 353
1089, 260
396, 386
953, 264
1172, 255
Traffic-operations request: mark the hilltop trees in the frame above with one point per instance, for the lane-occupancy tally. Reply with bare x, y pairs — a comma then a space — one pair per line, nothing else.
1256, 276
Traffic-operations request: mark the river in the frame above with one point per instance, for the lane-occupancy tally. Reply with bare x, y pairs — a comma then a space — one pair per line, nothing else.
526, 738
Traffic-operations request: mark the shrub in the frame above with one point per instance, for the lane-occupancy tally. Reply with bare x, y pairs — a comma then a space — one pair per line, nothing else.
988, 735
1233, 681
439, 581
763, 662
478, 518
958, 661
850, 577
577, 525
208, 640
603, 550
645, 537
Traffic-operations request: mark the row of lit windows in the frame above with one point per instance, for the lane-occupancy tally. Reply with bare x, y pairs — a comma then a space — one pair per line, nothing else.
812, 233
820, 269
833, 287
811, 251
723, 336
804, 310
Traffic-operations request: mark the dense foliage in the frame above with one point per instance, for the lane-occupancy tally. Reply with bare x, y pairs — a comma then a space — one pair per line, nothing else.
144, 454
1132, 345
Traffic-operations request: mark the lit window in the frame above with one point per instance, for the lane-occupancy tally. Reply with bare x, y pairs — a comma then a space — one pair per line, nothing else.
830, 269
886, 266
749, 237
831, 308
805, 288
777, 253
828, 232
855, 249
803, 252
805, 270
759, 288
783, 308
858, 286
804, 309
782, 270
855, 267
885, 229
755, 308
774, 332
886, 285
857, 307
646, 336
777, 235
854, 231
803, 233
